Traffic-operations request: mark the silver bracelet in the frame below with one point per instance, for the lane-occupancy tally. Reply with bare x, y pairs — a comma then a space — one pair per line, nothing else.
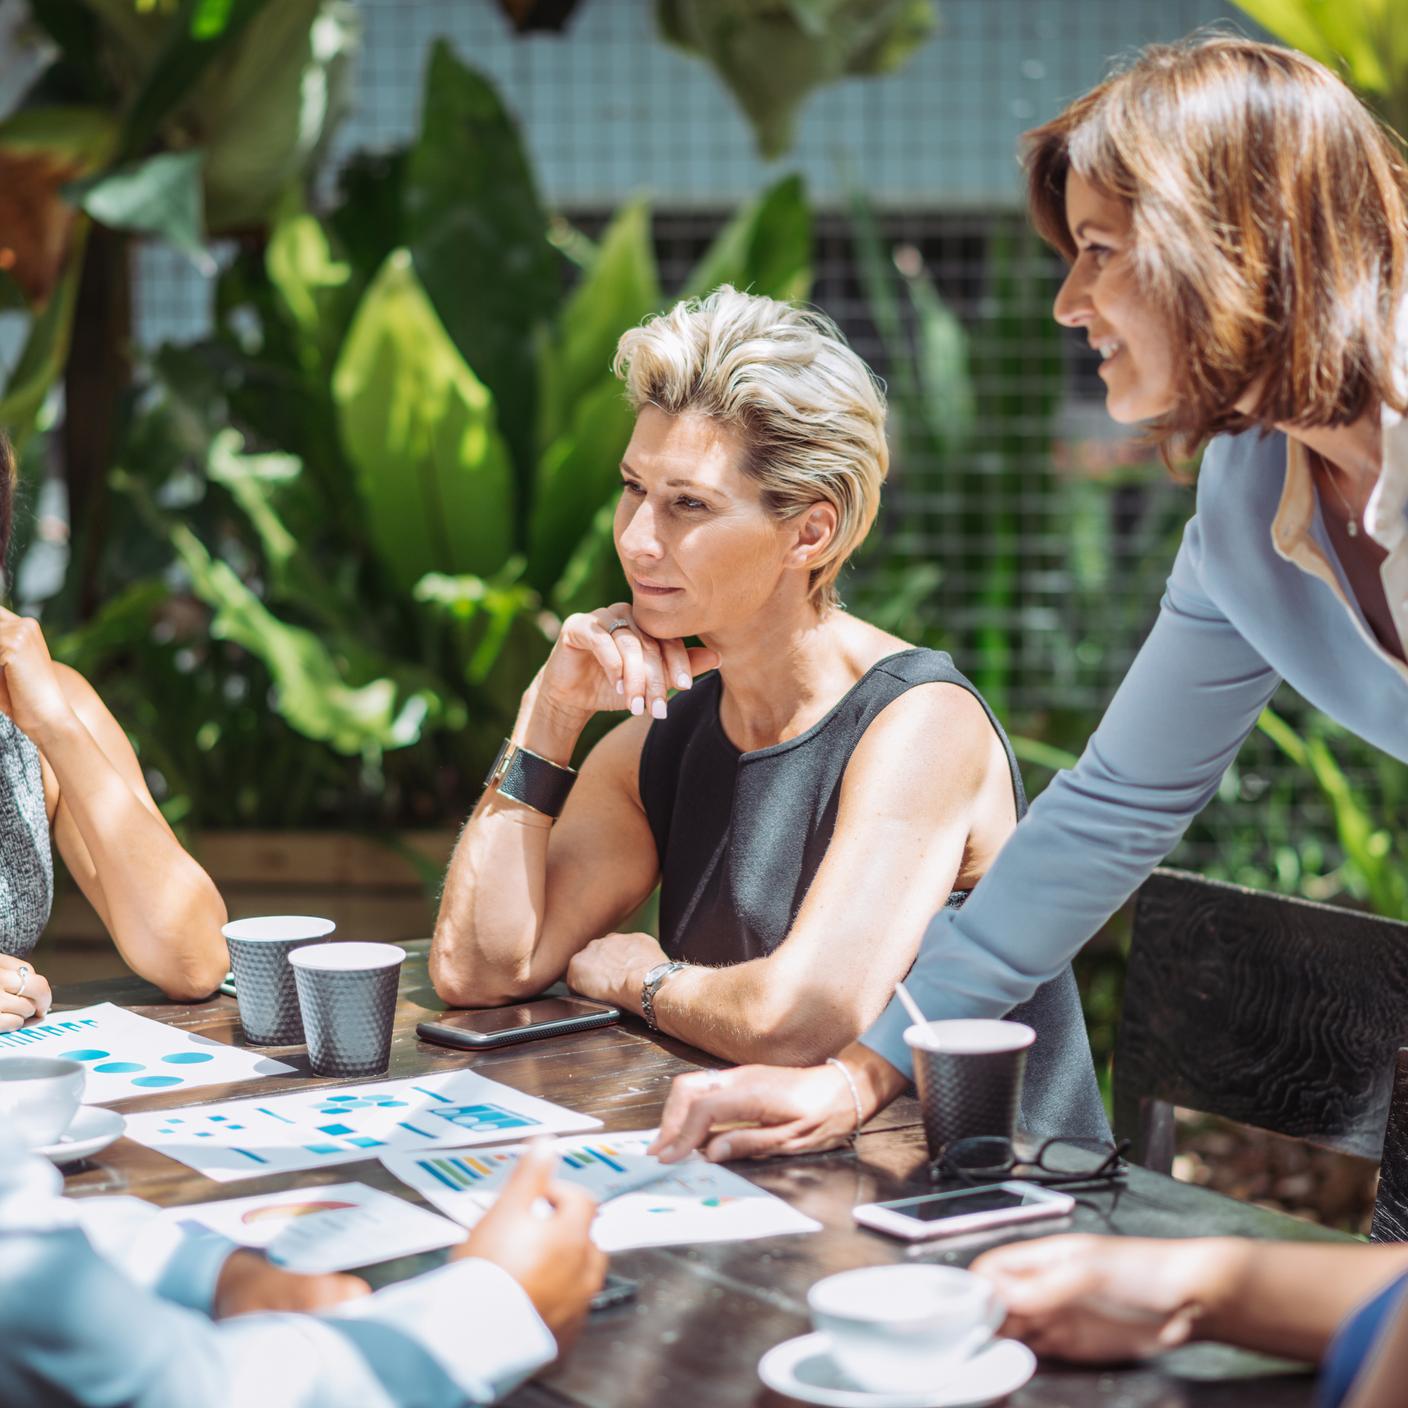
855, 1094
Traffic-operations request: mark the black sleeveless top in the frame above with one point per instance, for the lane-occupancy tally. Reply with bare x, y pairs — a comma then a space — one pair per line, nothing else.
741, 837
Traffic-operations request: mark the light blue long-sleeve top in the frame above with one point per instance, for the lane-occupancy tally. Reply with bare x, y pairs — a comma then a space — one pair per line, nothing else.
1256, 595
103, 1303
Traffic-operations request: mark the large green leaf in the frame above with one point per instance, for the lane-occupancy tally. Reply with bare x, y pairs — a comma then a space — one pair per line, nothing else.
1364, 40
314, 286
269, 105
580, 471
944, 383
593, 577
772, 53
258, 484
174, 55
419, 429
311, 690
478, 234
161, 196
618, 290
766, 248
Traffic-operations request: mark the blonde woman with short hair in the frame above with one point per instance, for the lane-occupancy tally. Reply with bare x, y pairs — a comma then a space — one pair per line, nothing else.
805, 788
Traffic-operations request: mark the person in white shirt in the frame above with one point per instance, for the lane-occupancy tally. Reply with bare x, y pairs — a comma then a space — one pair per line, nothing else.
102, 1302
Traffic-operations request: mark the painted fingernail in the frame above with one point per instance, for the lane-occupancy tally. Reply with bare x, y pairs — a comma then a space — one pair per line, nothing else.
620, 686
657, 708
637, 705
682, 680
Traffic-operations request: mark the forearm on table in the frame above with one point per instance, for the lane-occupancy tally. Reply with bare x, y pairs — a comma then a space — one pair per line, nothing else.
1288, 1298
754, 1012
492, 911
163, 911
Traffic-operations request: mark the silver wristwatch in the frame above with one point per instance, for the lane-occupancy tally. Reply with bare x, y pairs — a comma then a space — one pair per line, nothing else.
650, 985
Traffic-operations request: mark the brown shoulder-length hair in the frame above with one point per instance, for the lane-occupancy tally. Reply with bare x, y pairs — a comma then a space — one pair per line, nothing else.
1269, 211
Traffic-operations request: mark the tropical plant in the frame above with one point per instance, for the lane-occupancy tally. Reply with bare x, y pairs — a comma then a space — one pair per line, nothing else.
390, 470
771, 54
175, 118
1365, 41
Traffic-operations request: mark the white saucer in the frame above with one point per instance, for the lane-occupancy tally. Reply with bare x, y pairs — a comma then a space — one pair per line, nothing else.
92, 1128
803, 1369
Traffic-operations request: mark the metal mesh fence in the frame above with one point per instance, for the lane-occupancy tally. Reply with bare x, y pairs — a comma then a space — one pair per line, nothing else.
1036, 552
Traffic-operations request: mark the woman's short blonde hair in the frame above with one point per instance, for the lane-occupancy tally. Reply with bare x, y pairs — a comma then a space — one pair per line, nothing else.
810, 413
1270, 217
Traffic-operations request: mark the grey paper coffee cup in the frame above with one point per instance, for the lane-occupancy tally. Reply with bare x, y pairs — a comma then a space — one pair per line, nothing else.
347, 994
969, 1076
264, 985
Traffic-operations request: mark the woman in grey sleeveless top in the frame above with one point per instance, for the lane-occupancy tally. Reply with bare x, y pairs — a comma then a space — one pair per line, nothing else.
806, 805
68, 771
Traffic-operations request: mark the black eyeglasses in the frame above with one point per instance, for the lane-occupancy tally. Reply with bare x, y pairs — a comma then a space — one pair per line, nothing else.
1057, 1162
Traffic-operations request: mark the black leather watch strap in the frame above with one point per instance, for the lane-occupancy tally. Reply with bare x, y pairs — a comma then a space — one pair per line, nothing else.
520, 773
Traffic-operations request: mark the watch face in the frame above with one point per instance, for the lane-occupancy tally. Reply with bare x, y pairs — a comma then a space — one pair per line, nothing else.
657, 972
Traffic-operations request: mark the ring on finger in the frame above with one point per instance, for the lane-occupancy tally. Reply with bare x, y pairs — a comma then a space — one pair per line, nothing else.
619, 624
23, 973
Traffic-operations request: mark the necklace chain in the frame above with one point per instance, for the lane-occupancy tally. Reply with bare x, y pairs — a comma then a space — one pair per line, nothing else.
1351, 519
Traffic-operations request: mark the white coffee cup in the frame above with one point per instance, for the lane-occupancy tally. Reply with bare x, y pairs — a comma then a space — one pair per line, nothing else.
902, 1329
39, 1096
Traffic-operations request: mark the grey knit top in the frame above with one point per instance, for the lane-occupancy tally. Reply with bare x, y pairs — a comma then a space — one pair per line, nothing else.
26, 864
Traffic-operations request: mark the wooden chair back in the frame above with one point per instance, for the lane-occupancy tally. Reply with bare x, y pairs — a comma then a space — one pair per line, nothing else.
1274, 1012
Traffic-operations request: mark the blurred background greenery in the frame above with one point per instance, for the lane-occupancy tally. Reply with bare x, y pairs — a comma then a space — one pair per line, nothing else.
307, 315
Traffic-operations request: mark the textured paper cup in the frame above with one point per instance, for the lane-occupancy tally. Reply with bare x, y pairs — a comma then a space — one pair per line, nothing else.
39, 1097
264, 983
347, 994
969, 1074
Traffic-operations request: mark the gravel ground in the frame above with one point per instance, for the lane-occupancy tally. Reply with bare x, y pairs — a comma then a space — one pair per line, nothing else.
1253, 1166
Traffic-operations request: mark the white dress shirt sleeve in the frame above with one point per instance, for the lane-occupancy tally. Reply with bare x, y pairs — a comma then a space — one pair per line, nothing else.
86, 1291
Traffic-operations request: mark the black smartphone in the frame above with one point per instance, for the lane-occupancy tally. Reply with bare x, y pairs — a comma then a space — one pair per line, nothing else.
484, 1028
615, 1290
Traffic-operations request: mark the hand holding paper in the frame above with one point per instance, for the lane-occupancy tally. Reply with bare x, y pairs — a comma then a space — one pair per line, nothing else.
551, 1257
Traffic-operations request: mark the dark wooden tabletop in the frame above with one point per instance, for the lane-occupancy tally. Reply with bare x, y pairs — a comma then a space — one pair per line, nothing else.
704, 1315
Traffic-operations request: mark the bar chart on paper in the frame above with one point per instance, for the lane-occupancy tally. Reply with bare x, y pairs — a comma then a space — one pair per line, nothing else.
644, 1203
317, 1128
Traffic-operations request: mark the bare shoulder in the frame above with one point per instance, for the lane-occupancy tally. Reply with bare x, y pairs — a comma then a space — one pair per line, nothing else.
931, 754
934, 720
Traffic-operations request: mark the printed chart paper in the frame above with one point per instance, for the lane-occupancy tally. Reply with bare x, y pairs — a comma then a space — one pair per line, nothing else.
330, 1228
317, 1128
692, 1201
127, 1055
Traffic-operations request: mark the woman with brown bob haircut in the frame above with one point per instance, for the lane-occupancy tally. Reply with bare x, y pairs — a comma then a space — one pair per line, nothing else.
1236, 226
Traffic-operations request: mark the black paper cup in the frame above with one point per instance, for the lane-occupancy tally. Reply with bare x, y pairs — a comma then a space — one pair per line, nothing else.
969, 1075
347, 994
264, 985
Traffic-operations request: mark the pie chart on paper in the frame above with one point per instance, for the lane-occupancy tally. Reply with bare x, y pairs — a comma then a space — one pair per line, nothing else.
285, 1212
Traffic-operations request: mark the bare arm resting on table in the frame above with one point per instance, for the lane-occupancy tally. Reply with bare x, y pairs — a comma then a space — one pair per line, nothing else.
523, 893
928, 776
162, 910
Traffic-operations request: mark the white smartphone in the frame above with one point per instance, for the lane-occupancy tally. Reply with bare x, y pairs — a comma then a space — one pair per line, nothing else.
964, 1210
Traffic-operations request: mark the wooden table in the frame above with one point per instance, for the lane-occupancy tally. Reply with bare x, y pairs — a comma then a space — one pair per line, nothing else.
704, 1315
